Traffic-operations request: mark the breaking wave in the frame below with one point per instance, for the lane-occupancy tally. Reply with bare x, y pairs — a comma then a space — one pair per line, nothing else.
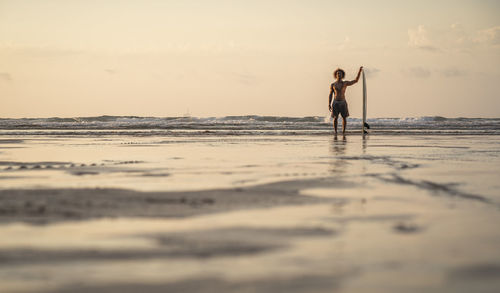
243, 125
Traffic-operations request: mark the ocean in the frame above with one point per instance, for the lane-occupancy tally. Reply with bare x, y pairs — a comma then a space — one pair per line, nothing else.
243, 125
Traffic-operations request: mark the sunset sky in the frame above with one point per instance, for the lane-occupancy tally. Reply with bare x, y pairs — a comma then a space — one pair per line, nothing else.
232, 57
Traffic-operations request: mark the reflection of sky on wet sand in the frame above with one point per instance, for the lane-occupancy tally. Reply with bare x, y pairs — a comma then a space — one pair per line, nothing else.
164, 163
358, 243
180, 163
399, 217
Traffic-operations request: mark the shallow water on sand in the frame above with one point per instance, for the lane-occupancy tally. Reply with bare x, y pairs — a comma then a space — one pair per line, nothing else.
173, 163
401, 213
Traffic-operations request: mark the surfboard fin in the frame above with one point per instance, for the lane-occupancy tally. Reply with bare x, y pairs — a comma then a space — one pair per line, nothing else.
367, 125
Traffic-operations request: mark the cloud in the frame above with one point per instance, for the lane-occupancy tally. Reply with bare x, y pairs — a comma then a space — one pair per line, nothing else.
346, 44
52, 51
419, 38
418, 72
454, 38
245, 78
490, 36
452, 72
39, 51
371, 72
423, 72
5, 76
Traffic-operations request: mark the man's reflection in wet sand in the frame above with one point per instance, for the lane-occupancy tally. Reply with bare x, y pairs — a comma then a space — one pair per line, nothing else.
338, 150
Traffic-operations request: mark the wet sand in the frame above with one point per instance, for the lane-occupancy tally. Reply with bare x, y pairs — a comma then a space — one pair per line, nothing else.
44, 206
315, 214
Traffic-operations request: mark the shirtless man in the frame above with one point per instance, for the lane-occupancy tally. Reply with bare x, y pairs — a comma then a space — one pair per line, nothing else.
339, 105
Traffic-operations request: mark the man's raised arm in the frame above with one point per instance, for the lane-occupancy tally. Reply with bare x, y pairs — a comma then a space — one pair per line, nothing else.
357, 77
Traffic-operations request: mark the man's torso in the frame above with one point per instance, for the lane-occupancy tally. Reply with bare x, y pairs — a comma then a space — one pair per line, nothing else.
339, 90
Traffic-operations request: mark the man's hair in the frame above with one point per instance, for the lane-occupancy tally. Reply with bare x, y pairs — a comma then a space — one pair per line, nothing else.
337, 71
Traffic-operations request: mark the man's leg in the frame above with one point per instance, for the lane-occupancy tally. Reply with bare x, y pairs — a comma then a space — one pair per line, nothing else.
335, 120
344, 123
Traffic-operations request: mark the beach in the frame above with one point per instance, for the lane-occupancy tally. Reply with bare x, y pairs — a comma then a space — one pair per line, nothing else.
192, 146
249, 204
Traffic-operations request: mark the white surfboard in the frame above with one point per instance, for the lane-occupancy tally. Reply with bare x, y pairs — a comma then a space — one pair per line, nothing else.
364, 124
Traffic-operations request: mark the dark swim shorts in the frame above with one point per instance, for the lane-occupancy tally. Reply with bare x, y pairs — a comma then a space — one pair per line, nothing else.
340, 107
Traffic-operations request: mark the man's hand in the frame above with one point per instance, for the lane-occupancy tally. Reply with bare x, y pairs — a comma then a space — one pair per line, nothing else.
330, 108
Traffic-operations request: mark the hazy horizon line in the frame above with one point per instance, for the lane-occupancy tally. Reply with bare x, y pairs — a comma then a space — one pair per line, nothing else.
244, 115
